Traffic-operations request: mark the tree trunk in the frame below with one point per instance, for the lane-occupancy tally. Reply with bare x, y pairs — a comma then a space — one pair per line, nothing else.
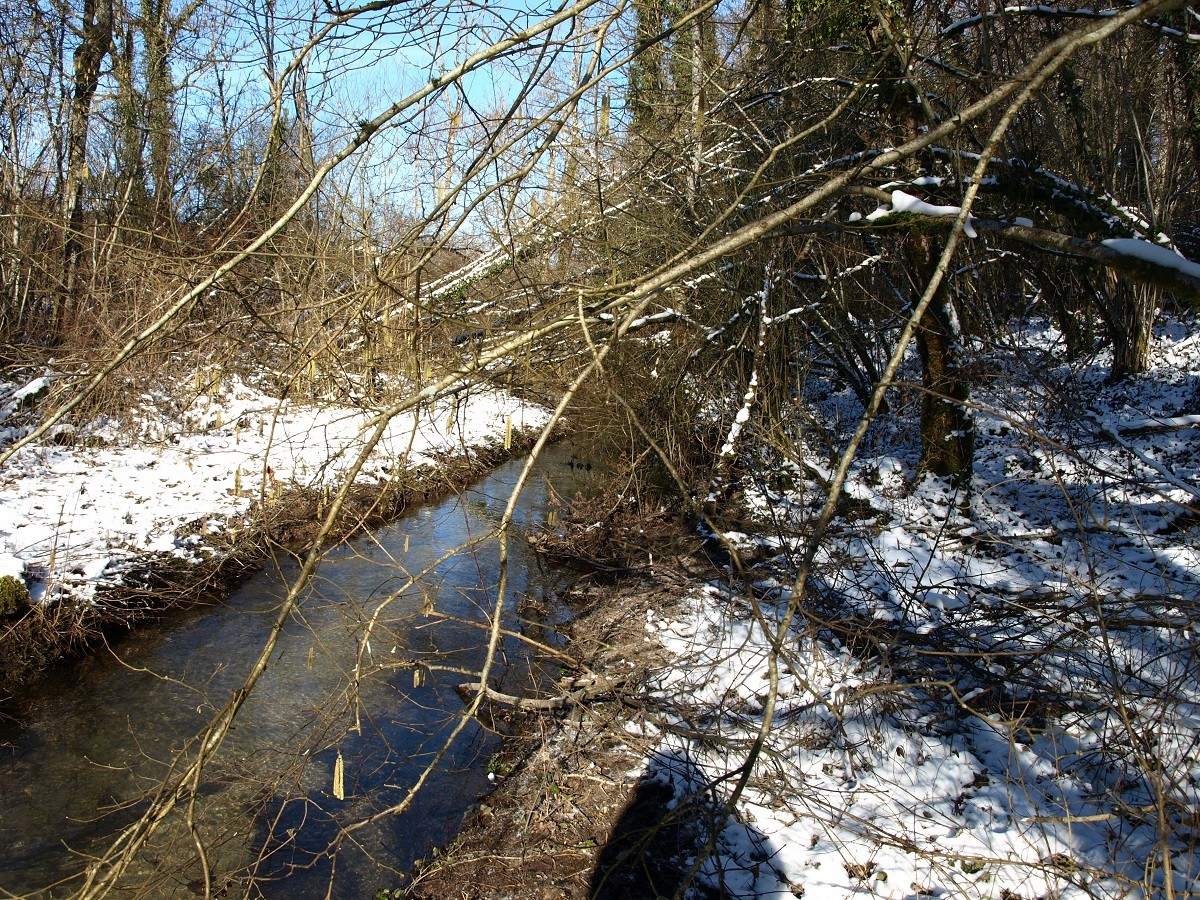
1129, 316
947, 427
159, 92
94, 44
646, 71
130, 135
1060, 298
1187, 60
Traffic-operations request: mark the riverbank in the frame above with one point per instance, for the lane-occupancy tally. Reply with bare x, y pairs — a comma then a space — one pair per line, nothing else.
312, 756
577, 813
985, 693
112, 522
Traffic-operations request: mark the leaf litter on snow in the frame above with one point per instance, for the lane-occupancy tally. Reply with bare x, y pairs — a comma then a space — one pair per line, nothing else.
187, 461
993, 694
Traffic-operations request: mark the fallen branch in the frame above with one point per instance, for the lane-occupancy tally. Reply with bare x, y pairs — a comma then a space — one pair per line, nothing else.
1162, 270
578, 691
1158, 468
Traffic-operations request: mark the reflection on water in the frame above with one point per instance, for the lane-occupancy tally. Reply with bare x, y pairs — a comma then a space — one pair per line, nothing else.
95, 739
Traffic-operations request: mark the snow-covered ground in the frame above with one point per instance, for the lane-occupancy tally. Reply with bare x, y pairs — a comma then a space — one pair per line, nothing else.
78, 512
993, 696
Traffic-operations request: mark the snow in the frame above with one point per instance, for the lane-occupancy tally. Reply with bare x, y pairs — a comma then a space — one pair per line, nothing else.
10, 565
1154, 253
665, 315
1028, 690
13, 401
903, 202
32, 389
74, 519
968, 745
1165, 423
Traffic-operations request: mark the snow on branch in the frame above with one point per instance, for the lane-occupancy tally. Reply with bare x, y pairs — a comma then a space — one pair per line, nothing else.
1043, 11
1140, 260
1154, 253
751, 395
1136, 259
666, 315
903, 202
1068, 197
1040, 10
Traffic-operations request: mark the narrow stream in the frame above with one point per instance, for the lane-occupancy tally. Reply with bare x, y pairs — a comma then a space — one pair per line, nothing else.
96, 738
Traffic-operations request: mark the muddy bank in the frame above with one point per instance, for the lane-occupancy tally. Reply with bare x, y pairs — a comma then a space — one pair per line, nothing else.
43, 636
574, 815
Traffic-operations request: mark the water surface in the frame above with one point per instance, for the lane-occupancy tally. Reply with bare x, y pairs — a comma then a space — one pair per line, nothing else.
97, 737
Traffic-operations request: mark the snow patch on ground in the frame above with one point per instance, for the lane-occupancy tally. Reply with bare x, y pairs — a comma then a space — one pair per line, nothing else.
75, 518
988, 694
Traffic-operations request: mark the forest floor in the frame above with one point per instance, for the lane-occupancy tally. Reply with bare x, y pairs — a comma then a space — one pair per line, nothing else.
989, 693
183, 491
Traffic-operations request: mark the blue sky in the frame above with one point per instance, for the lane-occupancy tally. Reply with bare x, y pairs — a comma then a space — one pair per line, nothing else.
365, 65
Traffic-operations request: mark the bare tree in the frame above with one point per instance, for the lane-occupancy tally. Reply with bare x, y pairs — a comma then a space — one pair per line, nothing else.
95, 41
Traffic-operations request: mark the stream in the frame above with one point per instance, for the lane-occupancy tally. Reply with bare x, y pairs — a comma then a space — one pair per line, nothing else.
77, 764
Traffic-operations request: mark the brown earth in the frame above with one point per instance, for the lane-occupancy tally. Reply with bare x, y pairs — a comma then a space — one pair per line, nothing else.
572, 816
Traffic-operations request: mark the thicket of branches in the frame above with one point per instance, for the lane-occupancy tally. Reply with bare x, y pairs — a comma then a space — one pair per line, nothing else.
661, 216
147, 146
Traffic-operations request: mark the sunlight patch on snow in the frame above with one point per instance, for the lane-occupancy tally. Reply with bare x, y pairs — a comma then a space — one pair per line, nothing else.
858, 789
78, 517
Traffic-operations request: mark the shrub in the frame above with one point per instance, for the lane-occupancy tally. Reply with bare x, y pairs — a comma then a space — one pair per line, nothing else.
13, 595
